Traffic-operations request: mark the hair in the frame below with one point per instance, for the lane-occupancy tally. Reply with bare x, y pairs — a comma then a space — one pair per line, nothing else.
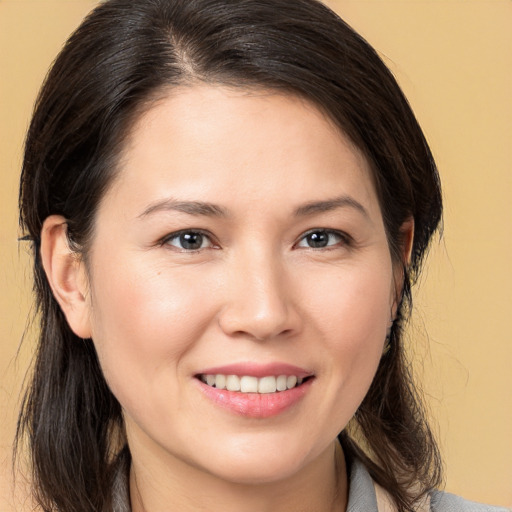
125, 54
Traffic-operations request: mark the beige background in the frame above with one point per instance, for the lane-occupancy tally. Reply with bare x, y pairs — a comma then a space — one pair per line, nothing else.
453, 59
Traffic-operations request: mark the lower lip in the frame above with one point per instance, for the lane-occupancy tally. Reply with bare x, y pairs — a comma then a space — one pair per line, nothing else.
256, 405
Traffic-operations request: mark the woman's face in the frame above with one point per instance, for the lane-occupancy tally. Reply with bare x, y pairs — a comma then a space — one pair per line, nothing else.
242, 244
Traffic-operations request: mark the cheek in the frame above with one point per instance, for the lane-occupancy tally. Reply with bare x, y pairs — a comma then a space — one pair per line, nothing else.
352, 311
354, 304
144, 321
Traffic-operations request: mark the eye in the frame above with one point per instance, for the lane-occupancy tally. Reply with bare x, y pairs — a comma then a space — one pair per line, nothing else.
188, 240
321, 238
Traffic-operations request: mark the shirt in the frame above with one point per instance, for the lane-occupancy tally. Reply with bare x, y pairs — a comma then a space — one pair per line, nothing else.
364, 495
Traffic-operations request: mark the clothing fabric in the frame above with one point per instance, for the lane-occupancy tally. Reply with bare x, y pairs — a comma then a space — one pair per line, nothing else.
364, 495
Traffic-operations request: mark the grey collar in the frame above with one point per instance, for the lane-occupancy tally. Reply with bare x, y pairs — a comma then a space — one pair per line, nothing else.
361, 491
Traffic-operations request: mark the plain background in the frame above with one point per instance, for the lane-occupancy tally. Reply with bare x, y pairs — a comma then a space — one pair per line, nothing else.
453, 60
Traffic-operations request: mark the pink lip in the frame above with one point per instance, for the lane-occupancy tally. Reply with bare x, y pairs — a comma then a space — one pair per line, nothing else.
255, 405
257, 370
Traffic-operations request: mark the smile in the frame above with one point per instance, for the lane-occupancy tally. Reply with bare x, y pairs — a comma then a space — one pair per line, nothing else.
255, 397
250, 384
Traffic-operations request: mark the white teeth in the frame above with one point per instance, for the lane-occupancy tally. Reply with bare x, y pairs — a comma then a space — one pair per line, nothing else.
281, 383
233, 383
249, 384
220, 381
291, 381
267, 385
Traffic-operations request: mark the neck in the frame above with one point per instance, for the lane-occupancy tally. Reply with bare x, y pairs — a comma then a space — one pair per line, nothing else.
321, 486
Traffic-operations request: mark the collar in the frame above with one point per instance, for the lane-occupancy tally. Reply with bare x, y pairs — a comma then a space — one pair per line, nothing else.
361, 489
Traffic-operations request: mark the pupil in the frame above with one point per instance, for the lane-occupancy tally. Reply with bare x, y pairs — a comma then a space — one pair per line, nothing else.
318, 239
191, 240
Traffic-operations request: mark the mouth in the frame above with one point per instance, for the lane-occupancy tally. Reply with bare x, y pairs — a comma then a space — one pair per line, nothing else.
250, 384
255, 390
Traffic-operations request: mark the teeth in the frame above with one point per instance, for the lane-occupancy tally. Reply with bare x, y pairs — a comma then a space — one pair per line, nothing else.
249, 384
281, 382
233, 383
267, 385
220, 381
291, 381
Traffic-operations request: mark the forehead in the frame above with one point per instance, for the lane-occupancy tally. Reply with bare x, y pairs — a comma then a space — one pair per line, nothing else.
209, 141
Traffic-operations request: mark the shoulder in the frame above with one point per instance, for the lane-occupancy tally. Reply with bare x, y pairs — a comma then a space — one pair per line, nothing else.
446, 502
366, 495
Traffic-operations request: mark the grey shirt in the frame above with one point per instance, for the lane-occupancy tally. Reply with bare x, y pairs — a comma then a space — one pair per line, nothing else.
361, 497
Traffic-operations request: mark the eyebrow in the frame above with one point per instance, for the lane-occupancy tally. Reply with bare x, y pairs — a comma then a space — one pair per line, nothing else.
201, 208
328, 205
198, 208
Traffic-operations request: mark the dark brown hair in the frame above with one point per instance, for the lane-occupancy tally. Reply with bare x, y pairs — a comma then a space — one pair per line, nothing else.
125, 53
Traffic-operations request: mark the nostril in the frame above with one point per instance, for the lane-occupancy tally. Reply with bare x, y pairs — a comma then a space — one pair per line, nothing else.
237, 324
259, 308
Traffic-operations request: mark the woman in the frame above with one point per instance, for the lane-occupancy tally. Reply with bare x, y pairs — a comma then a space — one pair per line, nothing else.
228, 202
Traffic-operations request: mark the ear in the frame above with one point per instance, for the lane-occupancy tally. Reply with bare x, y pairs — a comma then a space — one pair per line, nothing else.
406, 245
66, 275
407, 236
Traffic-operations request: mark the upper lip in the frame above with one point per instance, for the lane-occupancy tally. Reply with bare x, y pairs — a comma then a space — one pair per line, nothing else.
257, 370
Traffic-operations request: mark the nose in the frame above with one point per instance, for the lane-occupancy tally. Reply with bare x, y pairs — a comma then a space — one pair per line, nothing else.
260, 300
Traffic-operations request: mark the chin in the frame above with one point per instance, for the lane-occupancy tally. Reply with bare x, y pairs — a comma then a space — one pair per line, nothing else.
255, 472
258, 464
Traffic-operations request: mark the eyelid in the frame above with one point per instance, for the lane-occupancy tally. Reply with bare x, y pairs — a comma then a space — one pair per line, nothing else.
346, 238
165, 240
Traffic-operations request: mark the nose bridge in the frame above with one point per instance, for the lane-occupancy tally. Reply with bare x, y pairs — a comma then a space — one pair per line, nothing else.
258, 302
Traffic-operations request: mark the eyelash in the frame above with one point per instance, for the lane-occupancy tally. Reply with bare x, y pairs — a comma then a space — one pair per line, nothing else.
177, 234
344, 239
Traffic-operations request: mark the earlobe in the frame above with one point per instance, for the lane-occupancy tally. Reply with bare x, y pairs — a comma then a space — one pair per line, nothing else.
66, 275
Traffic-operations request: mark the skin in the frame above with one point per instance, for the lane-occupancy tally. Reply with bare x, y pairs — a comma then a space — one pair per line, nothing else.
254, 291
